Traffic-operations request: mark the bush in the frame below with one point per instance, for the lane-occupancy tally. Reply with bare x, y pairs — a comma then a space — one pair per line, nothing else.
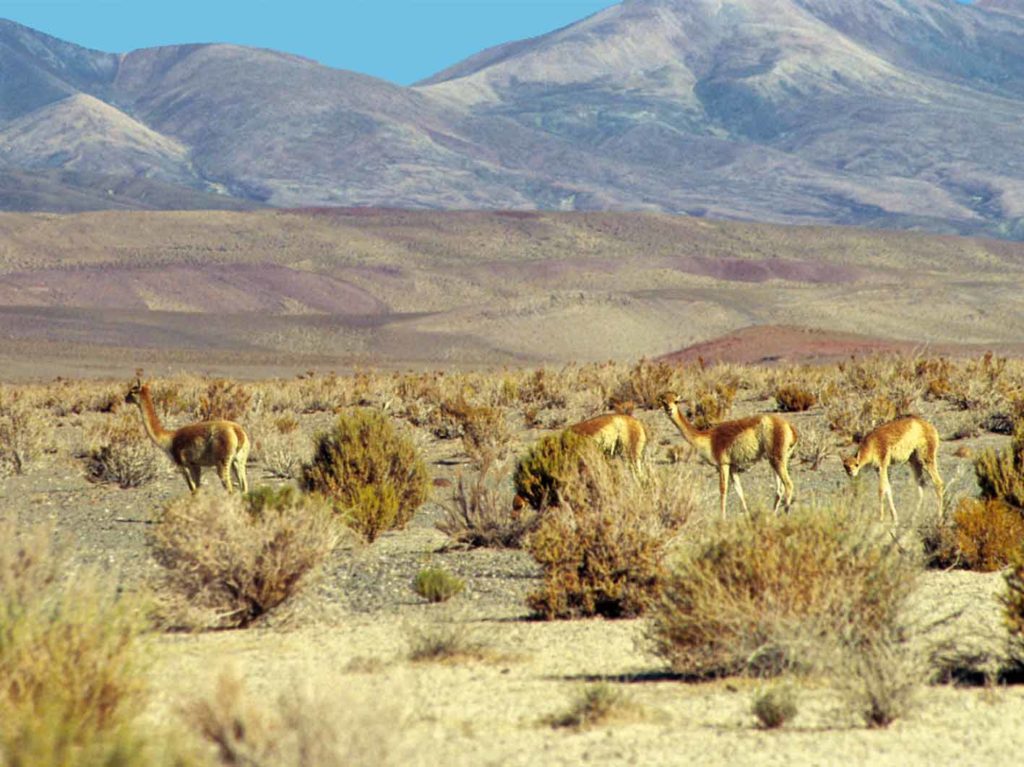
24, 434
279, 445
542, 472
1001, 473
224, 400
69, 656
760, 591
228, 560
987, 534
711, 406
121, 453
1013, 606
482, 513
793, 399
485, 431
774, 706
879, 676
437, 585
595, 705
602, 549
372, 475
310, 724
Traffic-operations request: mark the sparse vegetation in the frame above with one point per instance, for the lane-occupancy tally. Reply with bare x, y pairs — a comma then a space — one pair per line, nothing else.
436, 584
794, 399
758, 593
121, 453
541, 473
987, 534
595, 705
70, 660
372, 474
774, 706
445, 643
602, 548
228, 561
482, 512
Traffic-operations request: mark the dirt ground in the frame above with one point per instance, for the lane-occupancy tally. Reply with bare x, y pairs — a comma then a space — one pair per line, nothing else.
350, 635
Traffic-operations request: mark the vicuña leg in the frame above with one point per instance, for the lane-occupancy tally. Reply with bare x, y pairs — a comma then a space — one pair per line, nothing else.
884, 492
739, 492
723, 484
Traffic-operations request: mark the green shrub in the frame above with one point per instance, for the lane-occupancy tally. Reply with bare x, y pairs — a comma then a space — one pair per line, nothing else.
541, 473
774, 706
226, 560
793, 399
373, 476
760, 592
436, 584
987, 533
602, 549
1000, 473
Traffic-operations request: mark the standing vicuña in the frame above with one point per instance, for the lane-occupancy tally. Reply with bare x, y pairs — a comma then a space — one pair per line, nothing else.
733, 446
906, 440
223, 444
616, 433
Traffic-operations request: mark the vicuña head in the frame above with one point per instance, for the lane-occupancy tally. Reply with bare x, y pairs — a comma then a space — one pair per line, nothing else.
852, 464
223, 444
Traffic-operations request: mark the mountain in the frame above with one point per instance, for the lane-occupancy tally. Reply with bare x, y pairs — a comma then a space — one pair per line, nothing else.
890, 113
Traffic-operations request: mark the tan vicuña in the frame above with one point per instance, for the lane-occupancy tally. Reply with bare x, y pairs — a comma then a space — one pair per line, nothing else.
733, 446
906, 440
616, 433
223, 444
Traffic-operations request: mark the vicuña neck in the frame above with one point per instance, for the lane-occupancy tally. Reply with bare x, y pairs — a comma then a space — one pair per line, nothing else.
691, 433
154, 428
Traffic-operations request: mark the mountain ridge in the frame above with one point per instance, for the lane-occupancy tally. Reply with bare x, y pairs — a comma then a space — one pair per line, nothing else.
869, 112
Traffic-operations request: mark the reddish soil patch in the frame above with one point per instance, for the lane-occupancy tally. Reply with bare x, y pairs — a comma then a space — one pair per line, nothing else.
786, 343
762, 270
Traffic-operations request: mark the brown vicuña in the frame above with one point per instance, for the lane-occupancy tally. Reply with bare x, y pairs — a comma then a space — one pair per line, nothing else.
223, 444
906, 440
733, 446
616, 433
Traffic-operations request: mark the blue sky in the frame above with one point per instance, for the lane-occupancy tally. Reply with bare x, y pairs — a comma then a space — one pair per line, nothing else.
399, 40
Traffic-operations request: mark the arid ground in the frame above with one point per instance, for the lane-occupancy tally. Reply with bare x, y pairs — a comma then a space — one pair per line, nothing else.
349, 638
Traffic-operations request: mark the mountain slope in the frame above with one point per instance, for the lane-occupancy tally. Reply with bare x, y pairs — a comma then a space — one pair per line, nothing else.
890, 113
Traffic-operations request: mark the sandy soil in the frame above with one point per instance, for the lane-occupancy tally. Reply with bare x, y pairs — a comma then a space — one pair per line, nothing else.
350, 636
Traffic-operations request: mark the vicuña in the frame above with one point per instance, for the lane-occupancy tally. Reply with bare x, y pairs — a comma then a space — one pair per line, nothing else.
616, 434
906, 440
223, 444
733, 446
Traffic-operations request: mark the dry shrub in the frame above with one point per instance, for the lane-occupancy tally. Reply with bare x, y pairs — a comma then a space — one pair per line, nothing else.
446, 643
602, 549
1000, 473
879, 675
595, 705
1013, 607
70, 674
794, 399
759, 592
775, 705
854, 417
279, 445
227, 560
710, 406
646, 382
372, 474
816, 445
24, 433
120, 452
224, 400
309, 725
485, 430
482, 512
987, 534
